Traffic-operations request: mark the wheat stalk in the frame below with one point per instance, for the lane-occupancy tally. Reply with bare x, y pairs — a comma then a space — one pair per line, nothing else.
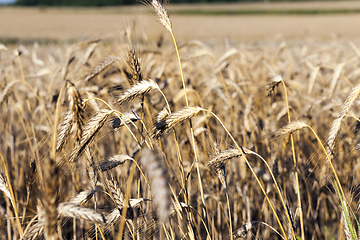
51, 198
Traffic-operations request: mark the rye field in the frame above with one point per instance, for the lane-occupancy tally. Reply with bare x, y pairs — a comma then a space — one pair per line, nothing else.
166, 133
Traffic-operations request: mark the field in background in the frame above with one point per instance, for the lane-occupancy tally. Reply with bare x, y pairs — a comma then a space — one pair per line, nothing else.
229, 64
64, 24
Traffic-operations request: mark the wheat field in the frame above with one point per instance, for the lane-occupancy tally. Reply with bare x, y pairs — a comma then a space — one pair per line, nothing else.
159, 139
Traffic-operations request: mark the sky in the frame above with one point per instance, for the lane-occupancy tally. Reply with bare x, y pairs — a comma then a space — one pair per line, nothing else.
6, 1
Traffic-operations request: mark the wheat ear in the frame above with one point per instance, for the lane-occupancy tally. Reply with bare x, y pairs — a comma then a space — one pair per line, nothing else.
170, 121
218, 161
5, 92
114, 161
126, 118
134, 63
273, 84
116, 193
89, 132
162, 13
248, 226
290, 128
4, 187
335, 126
83, 197
137, 90
75, 211
73, 119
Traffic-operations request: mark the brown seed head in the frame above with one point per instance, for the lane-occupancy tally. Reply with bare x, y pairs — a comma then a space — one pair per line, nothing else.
162, 13
137, 90
174, 119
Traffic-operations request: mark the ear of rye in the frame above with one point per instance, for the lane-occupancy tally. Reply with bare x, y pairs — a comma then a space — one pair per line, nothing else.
89, 132
137, 90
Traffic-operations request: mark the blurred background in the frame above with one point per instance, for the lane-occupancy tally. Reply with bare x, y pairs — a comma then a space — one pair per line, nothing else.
206, 20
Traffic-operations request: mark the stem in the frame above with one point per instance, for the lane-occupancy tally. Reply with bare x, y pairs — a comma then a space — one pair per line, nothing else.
296, 174
181, 71
331, 165
251, 169
12, 196
226, 92
56, 120
230, 224
191, 128
181, 167
127, 197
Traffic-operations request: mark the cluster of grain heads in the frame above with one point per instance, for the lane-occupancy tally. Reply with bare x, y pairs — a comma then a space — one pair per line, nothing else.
121, 181
297, 125
334, 130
